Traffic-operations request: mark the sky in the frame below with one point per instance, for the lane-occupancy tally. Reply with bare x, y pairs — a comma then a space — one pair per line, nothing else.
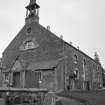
81, 22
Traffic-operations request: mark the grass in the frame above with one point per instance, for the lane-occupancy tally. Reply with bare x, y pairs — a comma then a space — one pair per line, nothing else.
96, 97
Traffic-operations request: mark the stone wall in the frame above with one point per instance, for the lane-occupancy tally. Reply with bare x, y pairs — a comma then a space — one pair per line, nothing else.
48, 80
89, 72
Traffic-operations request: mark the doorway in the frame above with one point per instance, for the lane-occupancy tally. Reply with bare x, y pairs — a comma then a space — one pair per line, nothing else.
16, 79
87, 85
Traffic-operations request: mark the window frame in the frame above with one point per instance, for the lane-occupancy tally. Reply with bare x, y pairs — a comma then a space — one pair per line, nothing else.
29, 45
76, 72
6, 76
75, 59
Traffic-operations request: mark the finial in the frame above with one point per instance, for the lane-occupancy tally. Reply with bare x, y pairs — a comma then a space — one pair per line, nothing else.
78, 47
48, 27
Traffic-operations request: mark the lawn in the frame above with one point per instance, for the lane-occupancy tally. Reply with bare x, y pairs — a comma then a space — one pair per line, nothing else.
92, 97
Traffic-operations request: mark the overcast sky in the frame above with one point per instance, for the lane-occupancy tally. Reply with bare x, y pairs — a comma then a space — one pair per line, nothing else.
81, 22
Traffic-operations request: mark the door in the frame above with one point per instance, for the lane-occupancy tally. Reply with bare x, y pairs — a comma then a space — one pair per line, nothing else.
69, 84
16, 79
32, 79
87, 85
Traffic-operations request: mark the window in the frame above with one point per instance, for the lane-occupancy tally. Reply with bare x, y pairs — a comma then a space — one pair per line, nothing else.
75, 59
40, 77
76, 73
6, 77
29, 44
29, 30
84, 62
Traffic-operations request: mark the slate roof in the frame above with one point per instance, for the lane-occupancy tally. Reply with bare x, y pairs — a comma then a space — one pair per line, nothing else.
43, 65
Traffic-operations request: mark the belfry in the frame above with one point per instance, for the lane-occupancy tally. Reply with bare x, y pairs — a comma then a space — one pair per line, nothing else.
32, 13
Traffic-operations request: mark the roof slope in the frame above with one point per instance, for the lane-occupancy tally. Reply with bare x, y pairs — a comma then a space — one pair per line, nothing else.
49, 45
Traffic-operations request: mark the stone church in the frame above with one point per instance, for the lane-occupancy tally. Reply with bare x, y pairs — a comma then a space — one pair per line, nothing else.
37, 58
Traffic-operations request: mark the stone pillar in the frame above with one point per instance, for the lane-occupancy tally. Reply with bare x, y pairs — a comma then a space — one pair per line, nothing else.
11, 79
22, 79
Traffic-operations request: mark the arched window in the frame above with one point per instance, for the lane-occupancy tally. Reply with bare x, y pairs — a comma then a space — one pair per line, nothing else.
75, 58
29, 44
76, 73
84, 62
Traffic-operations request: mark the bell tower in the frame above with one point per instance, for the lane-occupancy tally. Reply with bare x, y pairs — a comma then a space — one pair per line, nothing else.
32, 13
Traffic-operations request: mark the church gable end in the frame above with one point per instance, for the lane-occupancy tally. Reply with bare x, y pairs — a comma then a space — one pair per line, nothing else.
17, 66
